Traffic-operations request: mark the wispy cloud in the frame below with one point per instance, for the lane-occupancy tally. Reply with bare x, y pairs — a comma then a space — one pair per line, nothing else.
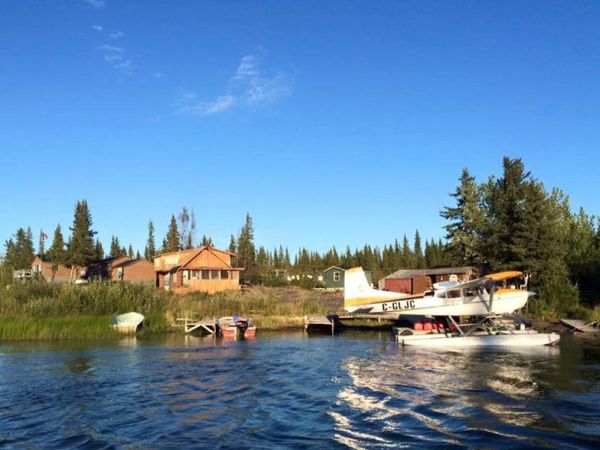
96, 3
251, 86
117, 35
116, 57
191, 105
98, 28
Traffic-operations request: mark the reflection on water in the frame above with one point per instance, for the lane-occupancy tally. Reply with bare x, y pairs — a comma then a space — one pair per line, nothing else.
292, 391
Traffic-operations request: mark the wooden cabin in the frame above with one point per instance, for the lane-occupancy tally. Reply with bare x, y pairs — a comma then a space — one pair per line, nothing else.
62, 274
202, 269
121, 268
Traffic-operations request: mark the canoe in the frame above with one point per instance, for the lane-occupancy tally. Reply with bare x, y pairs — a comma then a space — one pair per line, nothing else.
127, 323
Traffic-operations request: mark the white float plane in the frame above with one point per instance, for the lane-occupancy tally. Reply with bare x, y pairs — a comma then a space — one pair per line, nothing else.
481, 298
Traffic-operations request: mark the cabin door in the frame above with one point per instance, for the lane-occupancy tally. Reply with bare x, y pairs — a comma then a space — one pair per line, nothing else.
167, 281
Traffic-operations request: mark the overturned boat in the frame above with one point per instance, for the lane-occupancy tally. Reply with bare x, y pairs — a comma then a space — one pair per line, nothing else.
127, 323
481, 298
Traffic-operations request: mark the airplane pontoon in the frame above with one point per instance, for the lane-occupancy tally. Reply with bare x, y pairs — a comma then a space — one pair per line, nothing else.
482, 298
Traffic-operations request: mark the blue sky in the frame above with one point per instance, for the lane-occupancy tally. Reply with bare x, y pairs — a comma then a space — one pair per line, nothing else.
331, 123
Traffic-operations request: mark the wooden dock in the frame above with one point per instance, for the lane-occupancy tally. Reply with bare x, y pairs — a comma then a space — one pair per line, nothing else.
189, 324
333, 321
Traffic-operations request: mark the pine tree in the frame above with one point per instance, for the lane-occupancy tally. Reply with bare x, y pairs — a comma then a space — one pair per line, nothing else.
130, 251
233, 249
81, 248
418, 252
172, 242
187, 229
150, 249
19, 252
466, 222
57, 252
207, 241
99, 250
246, 249
41, 246
115, 247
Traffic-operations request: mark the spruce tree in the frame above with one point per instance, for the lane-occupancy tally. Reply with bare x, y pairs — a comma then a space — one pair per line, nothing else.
466, 222
172, 242
115, 247
207, 241
57, 253
233, 249
99, 250
81, 248
130, 251
246, 249
418, 252
150, 249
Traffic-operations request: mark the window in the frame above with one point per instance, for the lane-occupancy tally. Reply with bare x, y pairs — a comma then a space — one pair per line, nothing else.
454, 293
336, 276
205, 274
224, 275
214, 274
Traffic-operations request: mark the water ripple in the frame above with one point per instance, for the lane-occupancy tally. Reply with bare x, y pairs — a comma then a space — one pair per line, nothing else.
290, 391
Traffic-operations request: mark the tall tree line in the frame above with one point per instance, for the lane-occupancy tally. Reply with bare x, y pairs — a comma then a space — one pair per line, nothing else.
514, 222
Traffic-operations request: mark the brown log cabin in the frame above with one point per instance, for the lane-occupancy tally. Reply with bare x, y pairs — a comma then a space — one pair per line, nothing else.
202, 269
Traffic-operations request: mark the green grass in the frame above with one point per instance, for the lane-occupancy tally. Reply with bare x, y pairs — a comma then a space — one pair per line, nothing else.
52, 311
56, 328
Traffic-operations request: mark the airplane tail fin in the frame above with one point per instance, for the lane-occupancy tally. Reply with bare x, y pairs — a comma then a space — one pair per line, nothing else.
358, 291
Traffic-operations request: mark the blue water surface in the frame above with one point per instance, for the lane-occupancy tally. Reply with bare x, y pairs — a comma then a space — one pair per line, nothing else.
289, 390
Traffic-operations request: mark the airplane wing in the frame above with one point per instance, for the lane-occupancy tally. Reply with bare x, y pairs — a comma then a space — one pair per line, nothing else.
492, 277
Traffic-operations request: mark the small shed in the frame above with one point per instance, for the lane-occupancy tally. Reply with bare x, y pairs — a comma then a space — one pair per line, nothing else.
333, 277
417, 281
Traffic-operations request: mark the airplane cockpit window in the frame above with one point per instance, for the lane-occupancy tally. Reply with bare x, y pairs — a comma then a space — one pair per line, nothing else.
453, 294
470, 292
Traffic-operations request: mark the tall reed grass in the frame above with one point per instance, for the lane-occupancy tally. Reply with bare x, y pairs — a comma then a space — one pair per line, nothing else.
38, 310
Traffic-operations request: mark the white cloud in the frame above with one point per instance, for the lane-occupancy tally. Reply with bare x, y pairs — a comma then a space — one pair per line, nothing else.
263, 91
117, 35
98, 27
96, 3
194, 107
251, 86
111, 48
116, 57
247, 68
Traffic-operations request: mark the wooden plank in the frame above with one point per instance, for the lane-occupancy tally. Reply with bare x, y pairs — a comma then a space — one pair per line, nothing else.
581, 325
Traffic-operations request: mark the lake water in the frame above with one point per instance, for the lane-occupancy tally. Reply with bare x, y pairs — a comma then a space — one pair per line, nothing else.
287, 390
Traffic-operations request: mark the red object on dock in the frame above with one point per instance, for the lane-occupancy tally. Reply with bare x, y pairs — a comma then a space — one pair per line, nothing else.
418, 325
427, 325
